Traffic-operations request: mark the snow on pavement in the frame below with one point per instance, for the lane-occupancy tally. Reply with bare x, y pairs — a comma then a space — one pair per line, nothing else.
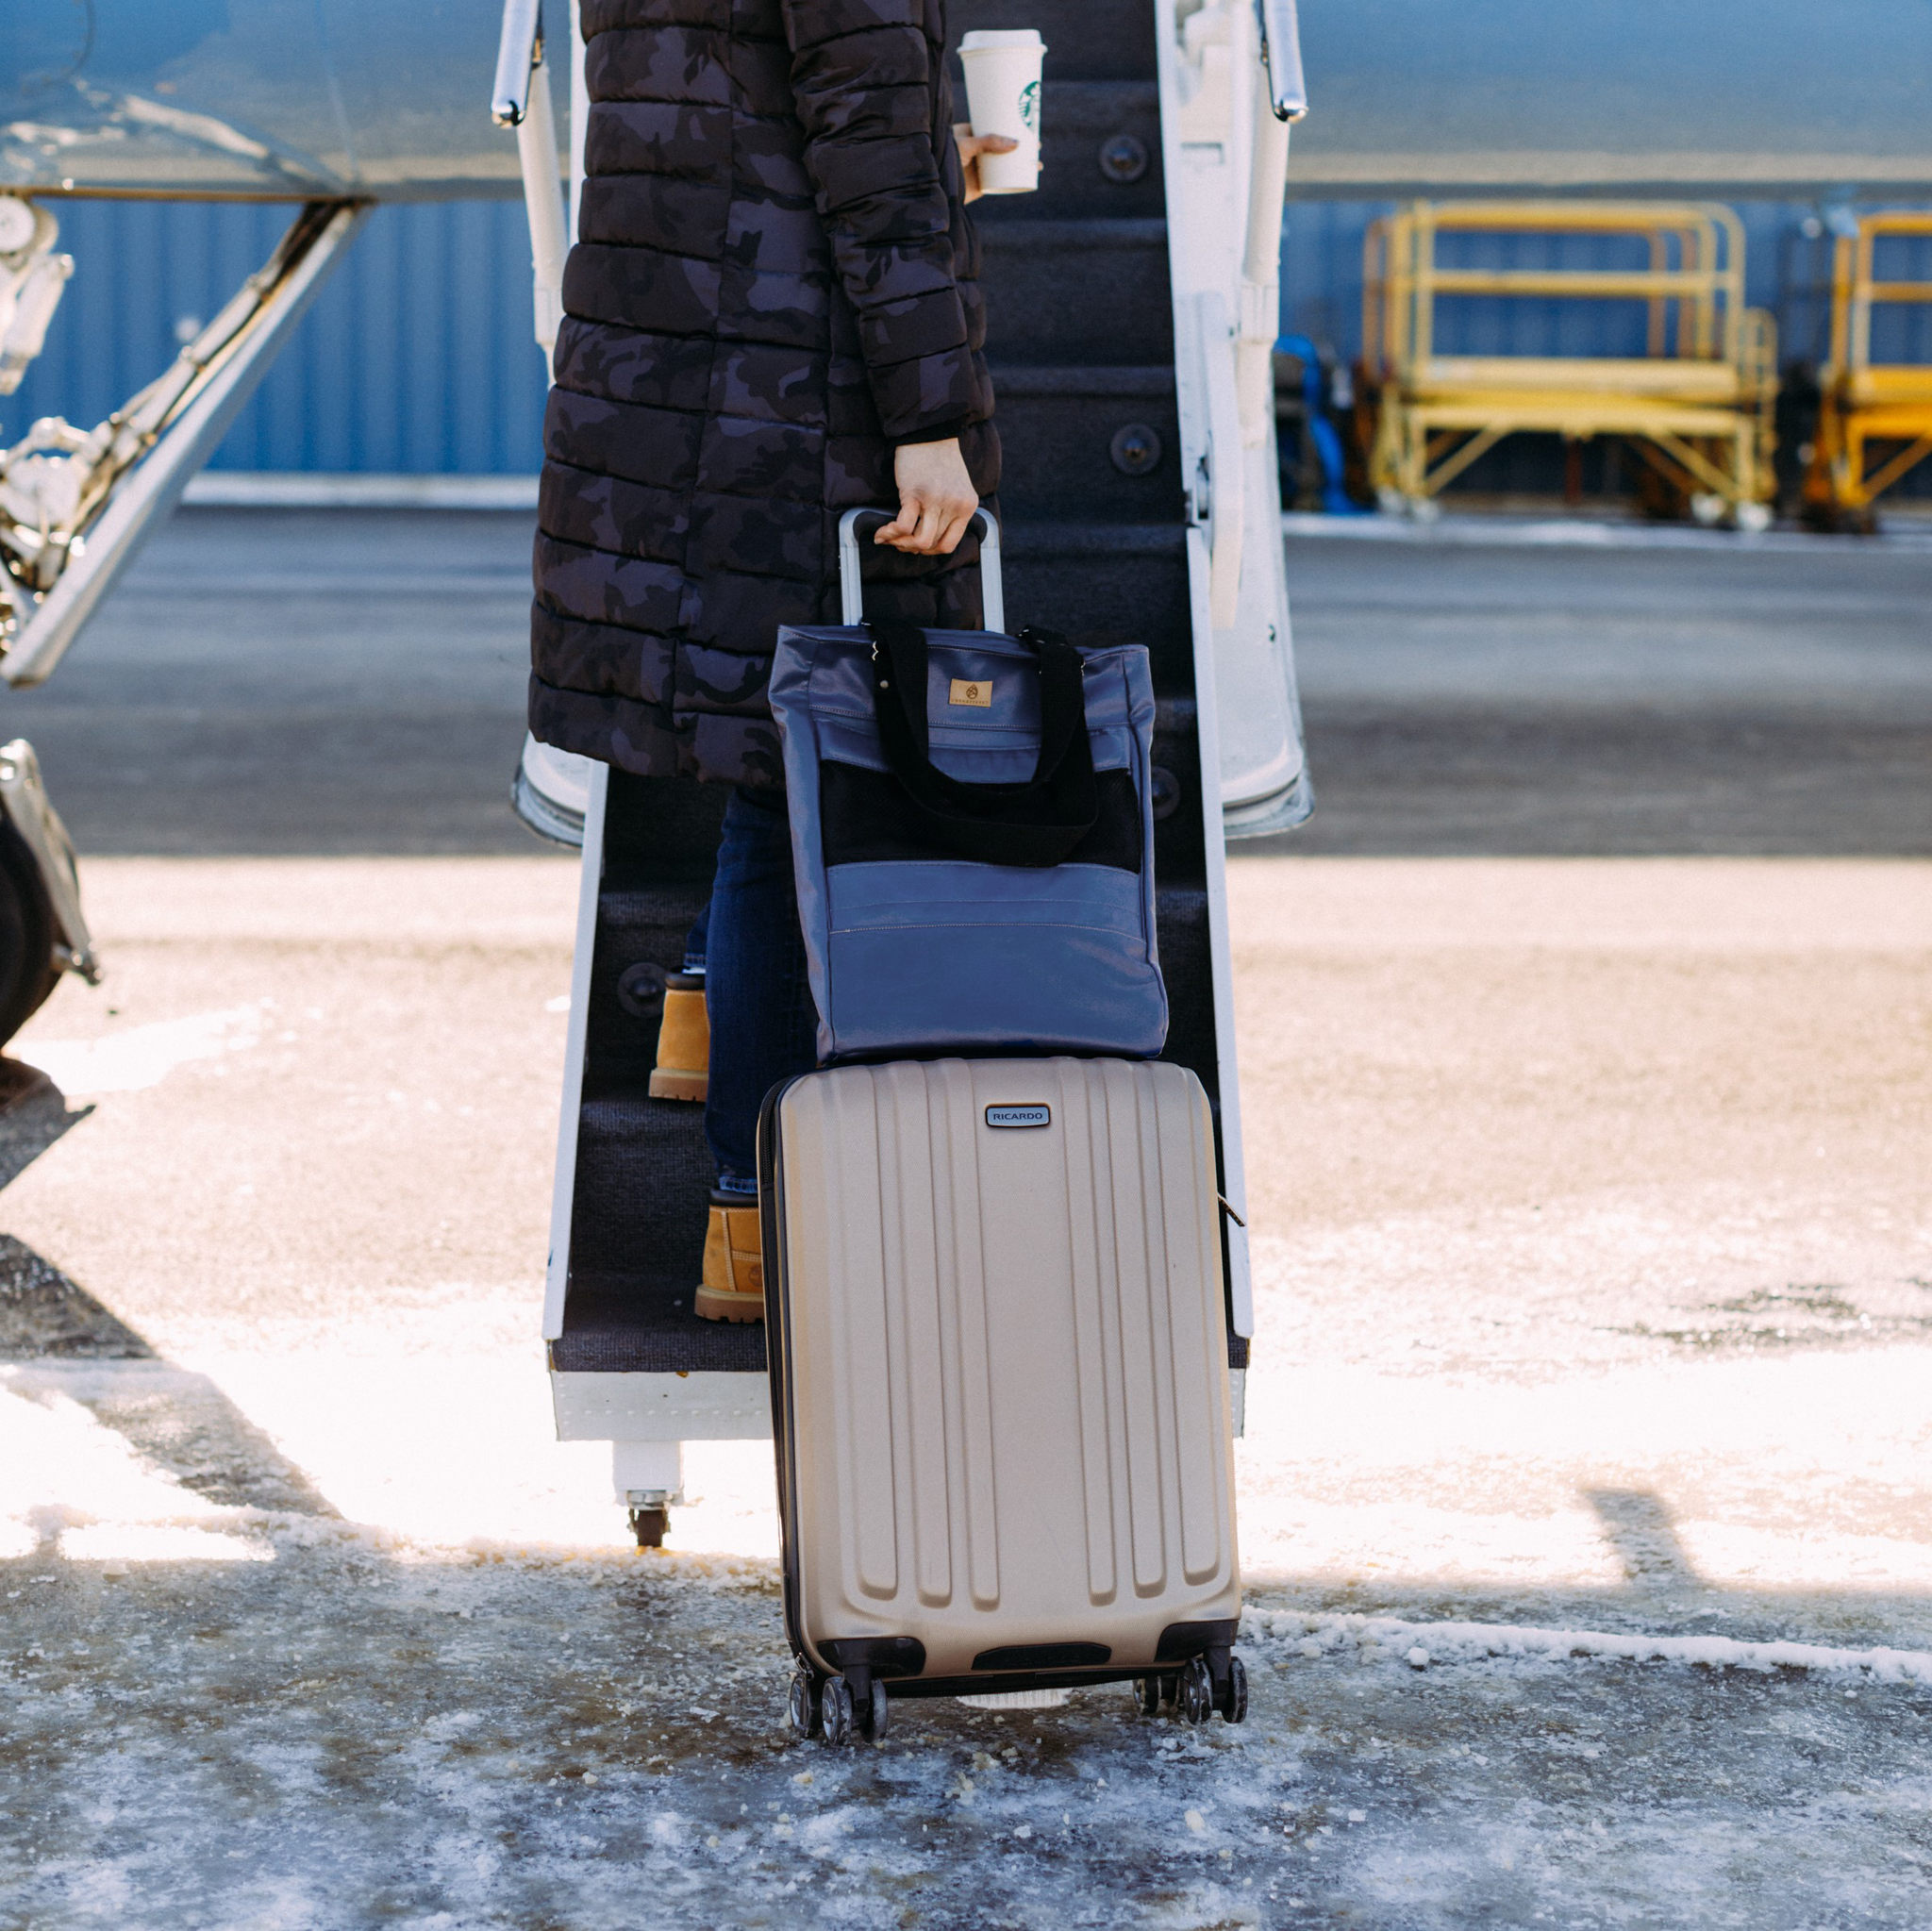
1583, 1504
357, 1733
318, 1715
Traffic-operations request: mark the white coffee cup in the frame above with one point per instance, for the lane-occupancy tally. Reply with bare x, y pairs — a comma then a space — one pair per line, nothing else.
1003, 97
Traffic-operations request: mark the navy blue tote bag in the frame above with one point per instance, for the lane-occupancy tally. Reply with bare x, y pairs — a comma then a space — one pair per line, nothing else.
972, 832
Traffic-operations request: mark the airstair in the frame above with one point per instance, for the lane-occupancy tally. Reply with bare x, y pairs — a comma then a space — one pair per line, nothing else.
1138, 498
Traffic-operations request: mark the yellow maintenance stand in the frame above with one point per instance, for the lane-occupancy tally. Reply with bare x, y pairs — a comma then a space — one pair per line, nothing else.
1860, 401
1697, 406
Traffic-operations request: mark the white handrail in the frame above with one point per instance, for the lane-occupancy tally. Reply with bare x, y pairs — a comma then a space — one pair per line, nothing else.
518, 51
1281, 48
544, 203
521, 99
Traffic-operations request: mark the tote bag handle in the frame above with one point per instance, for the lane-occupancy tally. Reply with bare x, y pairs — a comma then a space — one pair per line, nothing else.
1036, 821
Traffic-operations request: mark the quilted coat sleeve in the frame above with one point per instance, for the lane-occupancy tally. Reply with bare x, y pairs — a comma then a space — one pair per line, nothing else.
862, 75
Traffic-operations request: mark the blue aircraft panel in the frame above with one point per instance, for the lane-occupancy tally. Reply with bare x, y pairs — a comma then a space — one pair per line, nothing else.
258, 98
386, 98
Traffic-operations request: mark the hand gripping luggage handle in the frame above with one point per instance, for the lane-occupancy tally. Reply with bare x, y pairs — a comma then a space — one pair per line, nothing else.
852, 592
1038, 822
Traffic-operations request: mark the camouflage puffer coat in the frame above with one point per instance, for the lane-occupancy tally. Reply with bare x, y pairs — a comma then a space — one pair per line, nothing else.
773, 283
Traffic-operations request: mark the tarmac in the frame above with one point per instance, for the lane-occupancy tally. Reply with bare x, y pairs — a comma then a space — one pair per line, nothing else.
1584, 1037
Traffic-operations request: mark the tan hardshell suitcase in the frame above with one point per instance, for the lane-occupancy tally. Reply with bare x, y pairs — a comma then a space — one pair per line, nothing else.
999, 1385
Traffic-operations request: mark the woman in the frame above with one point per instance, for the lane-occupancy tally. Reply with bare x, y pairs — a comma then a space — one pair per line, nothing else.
771, 316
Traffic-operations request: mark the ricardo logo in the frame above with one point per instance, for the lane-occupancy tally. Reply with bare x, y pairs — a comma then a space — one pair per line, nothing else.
1029, 1115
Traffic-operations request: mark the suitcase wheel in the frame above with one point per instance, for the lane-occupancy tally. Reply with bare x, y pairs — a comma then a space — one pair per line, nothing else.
1196, 1698
873, 1711
836, 1703
1233, 1700
1150, 1692
802, 1704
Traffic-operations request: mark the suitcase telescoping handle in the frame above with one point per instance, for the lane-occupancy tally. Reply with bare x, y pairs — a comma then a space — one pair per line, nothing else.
852, 592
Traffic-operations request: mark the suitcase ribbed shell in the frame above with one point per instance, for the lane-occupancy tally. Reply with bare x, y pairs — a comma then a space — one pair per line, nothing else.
1006, 1380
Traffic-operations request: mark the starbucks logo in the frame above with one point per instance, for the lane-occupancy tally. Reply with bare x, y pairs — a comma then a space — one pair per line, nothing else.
1029, 107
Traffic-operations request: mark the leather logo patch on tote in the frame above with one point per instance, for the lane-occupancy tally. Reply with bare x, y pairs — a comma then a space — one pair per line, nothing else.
980, 695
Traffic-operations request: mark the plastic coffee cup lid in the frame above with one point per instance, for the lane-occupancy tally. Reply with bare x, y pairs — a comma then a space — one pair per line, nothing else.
1001, 36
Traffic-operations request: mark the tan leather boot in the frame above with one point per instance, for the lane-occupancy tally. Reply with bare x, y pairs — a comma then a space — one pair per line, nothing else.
684, 1041
734, 1284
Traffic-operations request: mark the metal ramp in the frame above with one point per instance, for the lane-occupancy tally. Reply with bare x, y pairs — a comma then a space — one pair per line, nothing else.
1106, 509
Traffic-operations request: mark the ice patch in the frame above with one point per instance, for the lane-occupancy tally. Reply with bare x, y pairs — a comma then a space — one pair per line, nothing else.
159, 1542
143, 1055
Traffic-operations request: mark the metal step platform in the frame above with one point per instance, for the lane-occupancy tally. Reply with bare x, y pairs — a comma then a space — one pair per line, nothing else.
1101, 515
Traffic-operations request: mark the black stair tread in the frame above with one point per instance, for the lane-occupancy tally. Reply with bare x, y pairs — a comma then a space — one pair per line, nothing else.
1089, 96
615, 1330
1134, 587
1061, 233
1036, 539
627, 1324
644, 1179
638, 924
1081, 378
1089, 38
1079, 123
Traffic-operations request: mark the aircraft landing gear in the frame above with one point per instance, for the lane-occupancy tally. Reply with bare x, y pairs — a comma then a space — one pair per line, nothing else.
42, 931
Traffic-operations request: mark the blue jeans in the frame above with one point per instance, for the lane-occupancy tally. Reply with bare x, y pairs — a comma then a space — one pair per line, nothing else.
764, 1027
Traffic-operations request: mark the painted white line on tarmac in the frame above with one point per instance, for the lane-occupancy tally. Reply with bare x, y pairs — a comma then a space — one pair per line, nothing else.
1562, 533
1421, 1644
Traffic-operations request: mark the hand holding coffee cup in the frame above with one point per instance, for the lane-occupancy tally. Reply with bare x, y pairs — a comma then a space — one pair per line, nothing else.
971, 148
1003, 69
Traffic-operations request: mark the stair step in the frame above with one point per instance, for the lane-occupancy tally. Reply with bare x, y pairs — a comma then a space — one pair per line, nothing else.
636, 927
1082, 233
1094, 137
1179, 838
1114, 379
1089, 442
1085, 40
658, 832
1180, 916
1078, 291
623, 1324
643, 1177
1128, 578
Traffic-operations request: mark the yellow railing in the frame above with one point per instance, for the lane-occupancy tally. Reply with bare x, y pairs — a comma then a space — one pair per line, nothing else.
1697, 405
1862, 402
